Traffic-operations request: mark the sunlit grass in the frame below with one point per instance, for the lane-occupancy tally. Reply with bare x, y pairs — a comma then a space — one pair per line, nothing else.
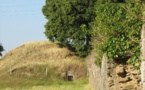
13, 83
25, 68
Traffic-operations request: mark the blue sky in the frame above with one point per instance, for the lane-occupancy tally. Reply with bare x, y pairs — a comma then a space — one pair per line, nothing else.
21, 21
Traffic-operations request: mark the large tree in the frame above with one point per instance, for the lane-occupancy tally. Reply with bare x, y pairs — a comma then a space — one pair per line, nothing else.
69, 23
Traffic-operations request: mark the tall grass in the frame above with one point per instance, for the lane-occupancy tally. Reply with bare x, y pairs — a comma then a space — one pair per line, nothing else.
28, 64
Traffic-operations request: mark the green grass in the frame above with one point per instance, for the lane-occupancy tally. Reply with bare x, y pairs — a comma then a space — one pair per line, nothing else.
41, 66
16, 83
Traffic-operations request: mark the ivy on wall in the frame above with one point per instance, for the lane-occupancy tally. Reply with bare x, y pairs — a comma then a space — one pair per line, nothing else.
117, 31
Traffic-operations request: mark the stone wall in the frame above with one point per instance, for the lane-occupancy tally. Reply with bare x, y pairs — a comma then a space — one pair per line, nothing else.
94, 73
143, 57
113, 75
117, 75
124, 77
98, 77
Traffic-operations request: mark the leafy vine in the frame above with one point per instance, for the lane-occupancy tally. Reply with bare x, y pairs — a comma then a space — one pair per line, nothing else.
117, 31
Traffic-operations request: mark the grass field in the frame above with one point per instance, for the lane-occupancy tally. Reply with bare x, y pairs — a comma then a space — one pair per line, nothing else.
42, 66
13, 83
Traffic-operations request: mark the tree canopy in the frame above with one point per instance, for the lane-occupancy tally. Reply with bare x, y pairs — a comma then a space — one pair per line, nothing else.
69, 23
112, 26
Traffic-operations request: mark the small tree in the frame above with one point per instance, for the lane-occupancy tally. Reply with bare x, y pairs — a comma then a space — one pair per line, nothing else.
1, 49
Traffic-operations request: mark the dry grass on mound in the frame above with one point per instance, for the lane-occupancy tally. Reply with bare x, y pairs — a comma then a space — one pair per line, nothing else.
45, 54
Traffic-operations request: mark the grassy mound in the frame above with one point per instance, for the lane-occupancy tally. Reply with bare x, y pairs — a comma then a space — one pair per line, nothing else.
39, 60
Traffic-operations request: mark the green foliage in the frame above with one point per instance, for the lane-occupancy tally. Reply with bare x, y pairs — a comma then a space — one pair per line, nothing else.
98, 61
1, 49
112, 26
118, 27
118, 1
69, 23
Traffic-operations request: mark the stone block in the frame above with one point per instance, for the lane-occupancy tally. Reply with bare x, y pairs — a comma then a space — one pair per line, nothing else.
120, 70
143, 49
143, 31
124, 80
143, 86
142, 71
129, 87
135, 72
